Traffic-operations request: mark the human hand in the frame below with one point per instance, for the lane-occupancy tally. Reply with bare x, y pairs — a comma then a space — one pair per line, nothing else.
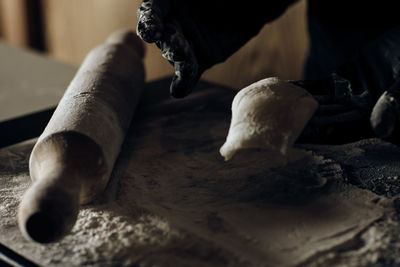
195, 35
362, 97
343, 114
385, 116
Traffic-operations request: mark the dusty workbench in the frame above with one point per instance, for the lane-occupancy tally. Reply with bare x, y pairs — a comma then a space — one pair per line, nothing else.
173, 200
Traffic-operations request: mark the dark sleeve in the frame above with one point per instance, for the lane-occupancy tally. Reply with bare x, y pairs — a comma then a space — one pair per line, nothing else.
376, 67
340, 29
233, 23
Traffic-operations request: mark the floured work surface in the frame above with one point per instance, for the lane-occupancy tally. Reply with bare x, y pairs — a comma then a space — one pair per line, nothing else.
173, 201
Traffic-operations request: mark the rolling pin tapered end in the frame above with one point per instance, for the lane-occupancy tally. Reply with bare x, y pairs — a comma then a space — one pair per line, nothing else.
130, 38
43, 227
47, 212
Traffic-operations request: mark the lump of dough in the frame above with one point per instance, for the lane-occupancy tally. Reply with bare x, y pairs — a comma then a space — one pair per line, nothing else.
269, 114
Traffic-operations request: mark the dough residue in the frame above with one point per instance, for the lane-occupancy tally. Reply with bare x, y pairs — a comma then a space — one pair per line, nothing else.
269, 114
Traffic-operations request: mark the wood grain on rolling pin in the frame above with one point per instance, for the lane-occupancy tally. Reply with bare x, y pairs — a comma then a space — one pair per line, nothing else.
73, 158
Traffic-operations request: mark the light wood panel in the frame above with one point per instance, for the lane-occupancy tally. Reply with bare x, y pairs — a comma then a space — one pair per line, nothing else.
1, 22
280, 50
21, 23
73, 27
14, 22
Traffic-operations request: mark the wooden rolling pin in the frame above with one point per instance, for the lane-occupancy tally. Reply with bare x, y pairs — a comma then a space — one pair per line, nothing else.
72, 160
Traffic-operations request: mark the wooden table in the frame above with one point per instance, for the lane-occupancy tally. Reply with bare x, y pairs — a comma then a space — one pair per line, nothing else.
173, 200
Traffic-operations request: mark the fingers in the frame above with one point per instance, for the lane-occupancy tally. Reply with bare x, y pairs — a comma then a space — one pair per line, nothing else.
185, 78
177, 50
174, 46
321, 90
384, 116
332, 109
337, 107
150, 14
315, 87
346, 117
336, 124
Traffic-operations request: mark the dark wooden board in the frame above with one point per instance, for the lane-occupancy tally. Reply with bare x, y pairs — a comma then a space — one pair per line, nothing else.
173, 201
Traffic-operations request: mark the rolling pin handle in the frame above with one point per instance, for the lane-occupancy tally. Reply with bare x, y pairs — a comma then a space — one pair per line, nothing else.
47, 219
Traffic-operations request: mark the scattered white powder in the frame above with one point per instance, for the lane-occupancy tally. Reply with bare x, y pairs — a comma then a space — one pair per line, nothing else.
173, 201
